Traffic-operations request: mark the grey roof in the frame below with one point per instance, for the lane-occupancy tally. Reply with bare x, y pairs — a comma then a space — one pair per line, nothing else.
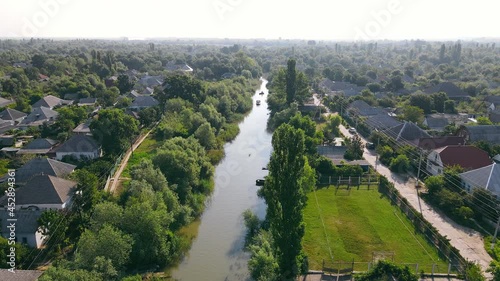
20, 275
39, 115
489, 133
78, 143
361, 108
5, 102
82, 128
144, 101
151, 81
486, 177
26, 221
382, 121
50, 101
43, 166
452, 90
332, 152
38, 146
12, 114
43, 189
407, 131
71, 96
87, 101
493, 99
436, 122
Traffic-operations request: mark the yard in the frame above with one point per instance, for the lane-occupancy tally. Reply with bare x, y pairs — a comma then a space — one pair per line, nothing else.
145, 150
359, 224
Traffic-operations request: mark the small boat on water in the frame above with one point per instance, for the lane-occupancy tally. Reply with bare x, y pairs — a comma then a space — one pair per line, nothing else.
257, 102
259, 182
261, 93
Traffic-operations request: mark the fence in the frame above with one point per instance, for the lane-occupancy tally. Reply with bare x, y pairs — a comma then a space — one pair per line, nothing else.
368, 181
350, 267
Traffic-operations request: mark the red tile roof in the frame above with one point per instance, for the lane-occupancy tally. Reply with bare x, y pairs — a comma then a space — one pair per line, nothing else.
466, 156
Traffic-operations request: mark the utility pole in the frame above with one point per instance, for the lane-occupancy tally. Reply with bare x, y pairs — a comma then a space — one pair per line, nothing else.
496, 232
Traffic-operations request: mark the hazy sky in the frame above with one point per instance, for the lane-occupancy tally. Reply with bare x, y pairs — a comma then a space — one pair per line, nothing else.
311, 19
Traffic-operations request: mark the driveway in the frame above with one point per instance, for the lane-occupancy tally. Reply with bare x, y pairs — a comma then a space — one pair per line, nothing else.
469, 242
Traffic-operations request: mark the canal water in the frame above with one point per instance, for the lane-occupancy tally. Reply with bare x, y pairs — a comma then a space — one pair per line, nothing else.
217, 252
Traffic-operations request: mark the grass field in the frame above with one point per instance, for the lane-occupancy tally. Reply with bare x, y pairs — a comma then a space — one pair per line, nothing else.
145, 150
359, 224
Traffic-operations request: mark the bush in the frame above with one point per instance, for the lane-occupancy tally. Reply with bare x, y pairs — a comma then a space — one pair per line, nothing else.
400, 164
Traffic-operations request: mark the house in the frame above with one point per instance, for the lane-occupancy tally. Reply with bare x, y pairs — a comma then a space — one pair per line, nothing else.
151, 81
38, 147
110, 82
494, 115
148, 91
43, 192
20, 275
82, 129
87, 102
407, 132
466, 156
382, 121
43, 78
21, 65
430, 143
487, 177
42, 166
142, 102
27, 230
452, 90
50, 102
361, 108
81, 147
487, 133
7, 140
439, 121
5, 102
492, 102
339, 88
38, 117
171, 66
332, 152
13, 115
133, 94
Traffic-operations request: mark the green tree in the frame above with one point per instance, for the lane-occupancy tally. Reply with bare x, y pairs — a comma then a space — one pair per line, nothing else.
385, 270
285, 198
263, 264
400, 164
354, 149
439, 100
114, 129
124, 84
413, 114
108, 242
434, 184
63, 274
449, 107
291, 79
484, 121
423, 101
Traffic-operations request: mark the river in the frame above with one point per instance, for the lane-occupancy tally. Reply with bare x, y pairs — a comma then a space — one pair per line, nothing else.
217, 252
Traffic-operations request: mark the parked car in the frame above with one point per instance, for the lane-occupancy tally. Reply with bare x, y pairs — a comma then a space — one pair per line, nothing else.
352, 130
370, 145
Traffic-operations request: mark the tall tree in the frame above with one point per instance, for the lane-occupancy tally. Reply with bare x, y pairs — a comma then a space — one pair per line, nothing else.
114, 130
285, 198
291, 78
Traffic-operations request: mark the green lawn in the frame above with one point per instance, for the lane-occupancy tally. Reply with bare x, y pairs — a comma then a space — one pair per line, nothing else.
359, 224
145, 150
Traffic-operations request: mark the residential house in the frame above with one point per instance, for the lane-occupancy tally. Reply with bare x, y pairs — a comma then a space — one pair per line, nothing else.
42, 166
151, 81
361, 108
438, 121
81, 147
332, 152
50, 102
487, 133
148, 91
172, 66
333, 88
142, 102
21, 65
20, 275
5, 102
82, 129
87, 102
228, 75
7, 140
38, 147
492, 102
27, 230
38, 117
407, 132
13, 115
43, 192
382, 121
452, 90
466, 156
494, 115
43, 78
110, 82
487, 177
430, 143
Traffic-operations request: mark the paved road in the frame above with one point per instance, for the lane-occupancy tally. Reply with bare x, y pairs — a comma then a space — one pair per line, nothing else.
469, 242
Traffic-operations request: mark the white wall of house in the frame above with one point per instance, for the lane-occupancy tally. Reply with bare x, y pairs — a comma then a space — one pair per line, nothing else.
434, 163
79, 155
